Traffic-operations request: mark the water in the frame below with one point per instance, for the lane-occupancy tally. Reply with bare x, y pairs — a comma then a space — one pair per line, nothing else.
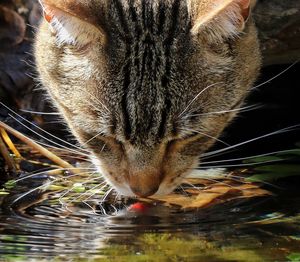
38, 228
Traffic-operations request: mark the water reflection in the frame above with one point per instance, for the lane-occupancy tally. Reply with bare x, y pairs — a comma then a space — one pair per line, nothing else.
37, 226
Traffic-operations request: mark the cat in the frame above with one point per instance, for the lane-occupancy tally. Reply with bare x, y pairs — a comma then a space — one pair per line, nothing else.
147, 86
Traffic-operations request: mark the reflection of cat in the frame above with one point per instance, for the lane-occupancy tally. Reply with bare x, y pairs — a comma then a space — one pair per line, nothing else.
145, 82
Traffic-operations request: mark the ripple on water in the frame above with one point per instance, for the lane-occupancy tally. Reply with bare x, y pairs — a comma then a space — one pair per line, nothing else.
39, 227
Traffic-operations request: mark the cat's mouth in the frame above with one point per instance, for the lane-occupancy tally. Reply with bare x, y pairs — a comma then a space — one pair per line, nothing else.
144, 183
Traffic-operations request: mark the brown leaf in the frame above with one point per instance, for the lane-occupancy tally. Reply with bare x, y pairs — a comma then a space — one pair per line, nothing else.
215, 193
173, 199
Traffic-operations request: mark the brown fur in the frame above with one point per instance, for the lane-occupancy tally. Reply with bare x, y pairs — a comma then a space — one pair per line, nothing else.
143, 78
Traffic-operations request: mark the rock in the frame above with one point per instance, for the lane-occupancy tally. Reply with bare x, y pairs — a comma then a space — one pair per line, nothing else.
12, 27
278, 25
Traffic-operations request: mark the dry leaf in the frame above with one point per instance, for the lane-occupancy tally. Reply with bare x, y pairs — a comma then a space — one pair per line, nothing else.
214, 193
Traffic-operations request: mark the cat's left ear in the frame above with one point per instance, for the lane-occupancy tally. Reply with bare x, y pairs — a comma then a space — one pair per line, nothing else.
73, 22
221, 18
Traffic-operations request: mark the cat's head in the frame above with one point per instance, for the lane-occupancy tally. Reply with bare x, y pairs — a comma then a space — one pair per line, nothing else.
145, 85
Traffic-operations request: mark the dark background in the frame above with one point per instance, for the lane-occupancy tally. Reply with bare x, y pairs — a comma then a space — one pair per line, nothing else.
279, 108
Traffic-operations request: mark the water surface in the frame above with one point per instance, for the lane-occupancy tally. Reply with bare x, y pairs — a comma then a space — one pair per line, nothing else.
38, 227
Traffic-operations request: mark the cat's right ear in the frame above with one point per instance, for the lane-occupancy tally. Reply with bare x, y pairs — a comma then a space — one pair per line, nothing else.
220, 19
73, 22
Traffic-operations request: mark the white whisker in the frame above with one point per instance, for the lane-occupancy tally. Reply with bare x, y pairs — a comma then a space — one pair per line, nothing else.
39, 128
93, 209
99, 186
217, 152
47, 139
97, 100
106, 195
260, 181
39, 113
34, 189
239, 165
248, 157
221, 182
271, 79
196, 97
242, 109
91, 139
204, 134
51, 171
89, 180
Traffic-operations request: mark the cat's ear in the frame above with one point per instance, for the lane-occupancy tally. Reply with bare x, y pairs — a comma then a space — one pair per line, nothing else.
220, 18
73, 22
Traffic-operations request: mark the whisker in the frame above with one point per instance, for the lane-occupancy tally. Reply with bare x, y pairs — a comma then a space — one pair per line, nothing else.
34, 189
89, 180
39, 113
99, 186
52, 171
39, 128
196, 97
115, 209
117, 197
93, 209
192, 186
204, 134
248, 157
64, 149
221, 182
216, 152
184, 192
91, 139
239, 165
47, 139
106, 195
241, 109
35, 28
97, 100
271, 79
260, 181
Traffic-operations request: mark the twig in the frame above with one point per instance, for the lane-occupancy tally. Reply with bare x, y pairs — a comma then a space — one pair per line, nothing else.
38, 147
8, 159
9, 143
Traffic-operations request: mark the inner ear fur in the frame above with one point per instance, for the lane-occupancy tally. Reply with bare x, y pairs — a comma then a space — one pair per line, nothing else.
220, 18
80, 9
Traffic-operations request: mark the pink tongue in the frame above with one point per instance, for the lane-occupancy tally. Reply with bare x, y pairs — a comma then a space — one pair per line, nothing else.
138, 207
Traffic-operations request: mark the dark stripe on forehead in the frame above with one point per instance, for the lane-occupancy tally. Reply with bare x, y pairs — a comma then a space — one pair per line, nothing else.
126, 68
161, 17
117, 4
166, 77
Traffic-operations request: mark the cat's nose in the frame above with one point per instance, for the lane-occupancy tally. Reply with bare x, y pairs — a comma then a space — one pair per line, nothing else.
144, 184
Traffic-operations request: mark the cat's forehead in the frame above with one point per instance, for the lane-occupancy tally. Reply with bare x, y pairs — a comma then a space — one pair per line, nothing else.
133, 18
147, 43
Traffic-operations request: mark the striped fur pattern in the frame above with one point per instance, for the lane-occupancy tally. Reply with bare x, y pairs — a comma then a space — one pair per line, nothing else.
138, 82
